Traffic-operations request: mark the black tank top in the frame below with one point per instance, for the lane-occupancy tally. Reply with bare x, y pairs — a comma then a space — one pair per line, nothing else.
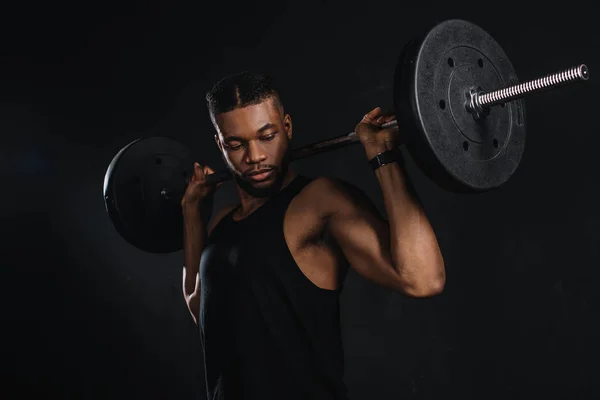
267, 331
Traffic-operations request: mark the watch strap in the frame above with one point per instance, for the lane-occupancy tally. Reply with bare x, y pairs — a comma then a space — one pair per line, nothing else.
381, 159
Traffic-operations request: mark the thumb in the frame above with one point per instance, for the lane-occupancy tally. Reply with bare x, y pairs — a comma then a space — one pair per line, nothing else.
210, 171
196, 173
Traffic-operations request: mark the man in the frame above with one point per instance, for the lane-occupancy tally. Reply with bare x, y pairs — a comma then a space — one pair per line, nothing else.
263, 278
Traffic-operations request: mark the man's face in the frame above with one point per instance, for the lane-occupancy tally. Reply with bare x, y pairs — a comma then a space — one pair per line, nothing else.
254, 143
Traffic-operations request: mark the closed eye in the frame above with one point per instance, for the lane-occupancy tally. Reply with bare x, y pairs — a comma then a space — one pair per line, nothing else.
268, 137
233, 146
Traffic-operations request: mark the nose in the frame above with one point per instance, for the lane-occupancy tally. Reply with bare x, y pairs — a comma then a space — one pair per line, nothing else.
255, 153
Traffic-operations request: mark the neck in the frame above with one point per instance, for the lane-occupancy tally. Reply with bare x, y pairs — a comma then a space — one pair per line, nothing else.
248, 203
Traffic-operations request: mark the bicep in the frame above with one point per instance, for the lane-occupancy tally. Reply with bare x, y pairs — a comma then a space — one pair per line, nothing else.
193, 299
362, 234
211, 226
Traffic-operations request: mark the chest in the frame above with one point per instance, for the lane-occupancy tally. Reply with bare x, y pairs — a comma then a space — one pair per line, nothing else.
294, 241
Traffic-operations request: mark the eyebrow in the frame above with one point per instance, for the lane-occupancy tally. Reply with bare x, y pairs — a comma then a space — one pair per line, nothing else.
266, 126
263, 128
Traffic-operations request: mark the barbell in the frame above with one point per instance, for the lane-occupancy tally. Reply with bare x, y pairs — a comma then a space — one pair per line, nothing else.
457, 99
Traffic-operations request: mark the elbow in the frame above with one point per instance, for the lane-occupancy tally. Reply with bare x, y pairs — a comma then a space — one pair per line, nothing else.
437, 283
434, 287
428, 285
193, 304
422, 290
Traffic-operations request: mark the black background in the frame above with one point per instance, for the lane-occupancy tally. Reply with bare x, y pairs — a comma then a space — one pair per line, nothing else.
85, 315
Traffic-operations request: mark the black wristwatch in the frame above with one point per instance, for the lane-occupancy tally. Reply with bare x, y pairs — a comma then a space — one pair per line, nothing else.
381, 159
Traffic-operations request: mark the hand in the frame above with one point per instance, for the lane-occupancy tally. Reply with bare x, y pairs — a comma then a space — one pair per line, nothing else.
373, 137
197, 188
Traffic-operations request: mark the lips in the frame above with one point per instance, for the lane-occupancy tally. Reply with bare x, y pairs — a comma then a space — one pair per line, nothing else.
260, 175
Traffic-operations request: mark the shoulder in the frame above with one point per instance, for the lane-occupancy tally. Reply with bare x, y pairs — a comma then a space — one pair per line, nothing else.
332, 195
327, 187
219, 215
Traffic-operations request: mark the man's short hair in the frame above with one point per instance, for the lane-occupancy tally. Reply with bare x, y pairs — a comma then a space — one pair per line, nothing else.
240, 90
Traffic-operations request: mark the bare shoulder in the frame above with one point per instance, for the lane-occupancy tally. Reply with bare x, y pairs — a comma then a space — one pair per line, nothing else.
323, 190
218, 216
333, 195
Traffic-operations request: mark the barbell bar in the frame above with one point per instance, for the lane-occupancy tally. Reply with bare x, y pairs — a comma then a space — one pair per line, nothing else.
458, 102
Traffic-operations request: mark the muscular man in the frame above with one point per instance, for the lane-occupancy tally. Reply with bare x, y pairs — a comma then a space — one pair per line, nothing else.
263, 278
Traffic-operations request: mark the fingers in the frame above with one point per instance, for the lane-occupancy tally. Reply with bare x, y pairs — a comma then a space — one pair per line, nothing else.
390, 116
379, 121
200, 172
377, 117
197, 174
208, 170
384, 118
372, 115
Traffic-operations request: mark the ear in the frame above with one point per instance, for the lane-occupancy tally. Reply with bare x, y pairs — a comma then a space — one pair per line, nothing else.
287, 125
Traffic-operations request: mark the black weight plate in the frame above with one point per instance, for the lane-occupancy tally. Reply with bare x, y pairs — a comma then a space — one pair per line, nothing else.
143, 186
432, 79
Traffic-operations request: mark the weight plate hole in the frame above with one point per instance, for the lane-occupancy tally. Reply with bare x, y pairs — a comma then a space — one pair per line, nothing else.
480, 63
465, 146
450, 62
442, 104
495, 142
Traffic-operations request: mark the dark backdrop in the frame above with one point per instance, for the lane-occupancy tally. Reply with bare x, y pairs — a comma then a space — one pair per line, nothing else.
86, 315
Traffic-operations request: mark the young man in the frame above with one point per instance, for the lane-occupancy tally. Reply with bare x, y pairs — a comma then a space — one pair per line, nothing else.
263, 278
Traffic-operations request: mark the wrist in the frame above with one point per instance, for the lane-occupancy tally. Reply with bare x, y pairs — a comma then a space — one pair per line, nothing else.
191, 209
372, 150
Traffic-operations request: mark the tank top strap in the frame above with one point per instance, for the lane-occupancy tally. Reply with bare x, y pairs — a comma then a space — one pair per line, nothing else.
274, 210
294, 187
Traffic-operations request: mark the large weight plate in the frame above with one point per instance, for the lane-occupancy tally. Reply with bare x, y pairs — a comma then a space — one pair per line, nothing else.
433, 77
143, 186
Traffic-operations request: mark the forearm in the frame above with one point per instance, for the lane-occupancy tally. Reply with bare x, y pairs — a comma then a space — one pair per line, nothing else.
194, 237
414, 248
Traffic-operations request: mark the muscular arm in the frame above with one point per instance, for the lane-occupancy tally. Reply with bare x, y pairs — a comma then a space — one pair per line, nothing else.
194, 238
401, 253
194, 241
414, 249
